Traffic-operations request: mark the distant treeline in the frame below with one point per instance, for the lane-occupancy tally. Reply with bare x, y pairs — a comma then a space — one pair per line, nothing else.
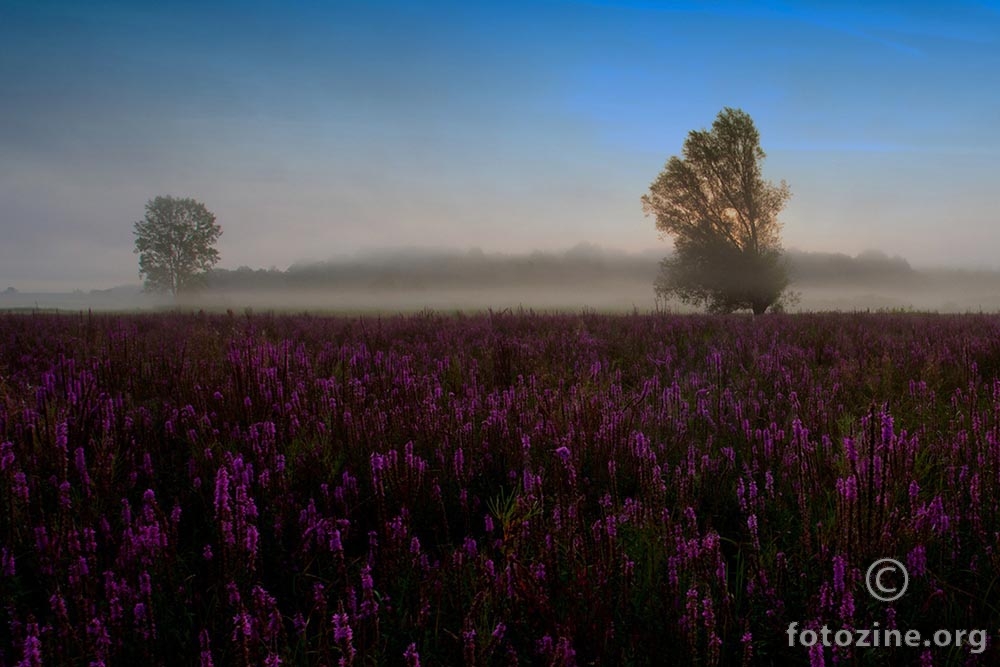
582, 264
870, 267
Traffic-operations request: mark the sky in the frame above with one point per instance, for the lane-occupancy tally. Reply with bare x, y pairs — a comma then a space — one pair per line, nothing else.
320, 129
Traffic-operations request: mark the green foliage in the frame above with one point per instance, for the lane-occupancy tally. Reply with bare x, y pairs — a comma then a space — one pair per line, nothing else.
722, 277
175, 243
722, 216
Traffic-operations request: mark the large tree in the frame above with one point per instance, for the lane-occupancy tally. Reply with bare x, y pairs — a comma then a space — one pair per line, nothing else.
175, 243
723, 218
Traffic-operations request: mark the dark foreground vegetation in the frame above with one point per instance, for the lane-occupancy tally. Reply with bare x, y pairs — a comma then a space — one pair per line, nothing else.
504, 489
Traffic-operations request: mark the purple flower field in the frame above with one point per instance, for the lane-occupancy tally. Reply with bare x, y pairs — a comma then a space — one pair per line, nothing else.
496, 489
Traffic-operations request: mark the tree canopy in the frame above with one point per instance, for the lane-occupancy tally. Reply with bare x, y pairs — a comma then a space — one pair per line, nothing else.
175, 242
723, 218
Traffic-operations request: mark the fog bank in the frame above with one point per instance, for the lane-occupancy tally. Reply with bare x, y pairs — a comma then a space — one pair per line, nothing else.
584, 277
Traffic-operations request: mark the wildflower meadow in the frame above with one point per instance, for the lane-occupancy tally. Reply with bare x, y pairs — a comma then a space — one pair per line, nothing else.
504, 488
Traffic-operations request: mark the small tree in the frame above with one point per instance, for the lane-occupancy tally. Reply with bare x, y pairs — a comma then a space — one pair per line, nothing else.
175, 243
723, 217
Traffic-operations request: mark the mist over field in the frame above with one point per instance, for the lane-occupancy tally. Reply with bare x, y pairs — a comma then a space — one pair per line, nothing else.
584, 277
363, 332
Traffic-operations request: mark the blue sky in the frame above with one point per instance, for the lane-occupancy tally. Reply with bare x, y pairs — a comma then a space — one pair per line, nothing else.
315, 129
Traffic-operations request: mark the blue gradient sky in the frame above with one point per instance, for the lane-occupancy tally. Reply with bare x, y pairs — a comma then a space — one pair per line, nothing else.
314, 129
